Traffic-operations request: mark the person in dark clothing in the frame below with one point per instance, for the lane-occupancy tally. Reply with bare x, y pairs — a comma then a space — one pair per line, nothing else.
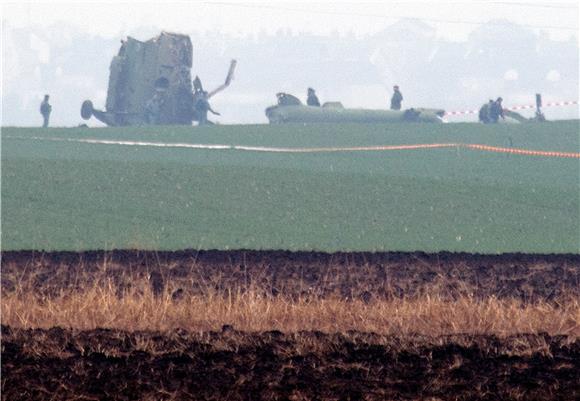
396, 99
45, 110
484, 112
202, 106
312, 99
496, 111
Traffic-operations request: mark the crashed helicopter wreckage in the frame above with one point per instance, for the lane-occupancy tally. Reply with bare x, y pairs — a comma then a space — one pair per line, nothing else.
291, 110
158, 69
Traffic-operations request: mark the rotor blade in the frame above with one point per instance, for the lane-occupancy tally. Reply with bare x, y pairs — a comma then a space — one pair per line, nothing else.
229, 78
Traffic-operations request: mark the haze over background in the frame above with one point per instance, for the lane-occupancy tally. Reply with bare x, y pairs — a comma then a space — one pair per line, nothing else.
451, 55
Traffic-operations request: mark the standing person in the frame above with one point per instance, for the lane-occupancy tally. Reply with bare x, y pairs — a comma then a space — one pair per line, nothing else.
396, 99
312, 99
45, 110
496, 111
202, 106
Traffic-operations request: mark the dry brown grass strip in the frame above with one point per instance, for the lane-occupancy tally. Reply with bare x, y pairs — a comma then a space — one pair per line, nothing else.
138, 309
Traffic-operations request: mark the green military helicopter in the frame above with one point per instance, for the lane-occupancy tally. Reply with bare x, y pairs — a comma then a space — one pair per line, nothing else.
158, 69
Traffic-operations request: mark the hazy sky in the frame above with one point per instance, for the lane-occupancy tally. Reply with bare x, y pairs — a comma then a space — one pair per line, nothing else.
453, 19
33, 65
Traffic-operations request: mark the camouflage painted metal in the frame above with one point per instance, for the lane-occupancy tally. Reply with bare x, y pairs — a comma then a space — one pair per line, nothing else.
151, 77
291, 110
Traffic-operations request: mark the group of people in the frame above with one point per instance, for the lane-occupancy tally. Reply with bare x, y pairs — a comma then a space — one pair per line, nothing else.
492, 111
489, 113
396, 99
201, 106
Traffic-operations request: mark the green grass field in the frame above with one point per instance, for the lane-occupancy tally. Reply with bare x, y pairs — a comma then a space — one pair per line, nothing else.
59, 195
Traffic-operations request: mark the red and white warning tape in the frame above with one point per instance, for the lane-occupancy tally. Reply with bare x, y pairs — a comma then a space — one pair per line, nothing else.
457, 113
522, 107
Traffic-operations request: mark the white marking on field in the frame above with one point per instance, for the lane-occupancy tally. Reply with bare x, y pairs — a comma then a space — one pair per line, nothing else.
155, 144
472, 146
135, 143
241, 147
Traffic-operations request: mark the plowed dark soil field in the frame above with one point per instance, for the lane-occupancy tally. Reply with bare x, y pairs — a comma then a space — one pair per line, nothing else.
348, 275
111, 364
60, 364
